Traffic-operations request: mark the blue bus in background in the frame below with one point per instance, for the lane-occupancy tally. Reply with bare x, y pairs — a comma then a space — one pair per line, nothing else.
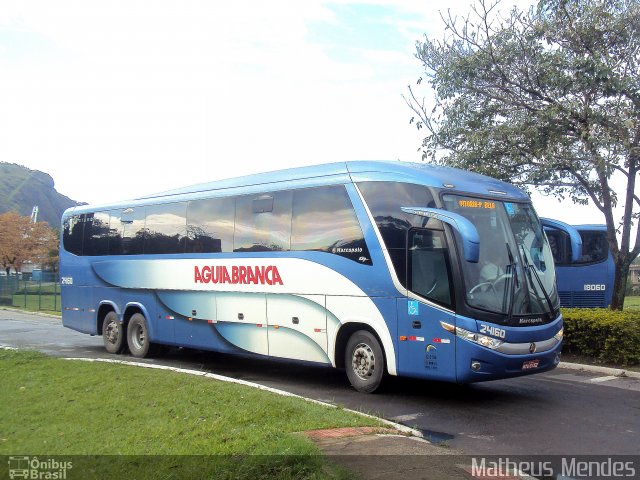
585, 275
374, 267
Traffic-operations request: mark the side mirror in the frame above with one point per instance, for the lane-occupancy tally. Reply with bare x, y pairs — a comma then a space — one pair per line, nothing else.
466, 229
574, 236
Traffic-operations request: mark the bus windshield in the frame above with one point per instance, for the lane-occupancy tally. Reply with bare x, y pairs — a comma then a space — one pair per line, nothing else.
515, 273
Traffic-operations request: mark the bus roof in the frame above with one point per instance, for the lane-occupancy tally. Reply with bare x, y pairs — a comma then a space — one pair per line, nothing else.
421, 173
598, 227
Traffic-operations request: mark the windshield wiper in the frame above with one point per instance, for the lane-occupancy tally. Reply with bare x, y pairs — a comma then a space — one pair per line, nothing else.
529, 267
512, 271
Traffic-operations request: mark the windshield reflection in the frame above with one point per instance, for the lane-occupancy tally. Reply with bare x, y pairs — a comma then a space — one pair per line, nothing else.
515, 273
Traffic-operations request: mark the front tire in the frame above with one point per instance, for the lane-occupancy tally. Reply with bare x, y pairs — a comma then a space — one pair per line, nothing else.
138, 336
113, 333
364, 361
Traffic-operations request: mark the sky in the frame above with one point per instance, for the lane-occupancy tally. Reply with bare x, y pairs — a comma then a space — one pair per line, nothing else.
120, 99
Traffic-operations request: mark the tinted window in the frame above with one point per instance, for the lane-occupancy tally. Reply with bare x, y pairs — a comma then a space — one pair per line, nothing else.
115, 233
165, 228
385, 200
263, 222
324, 220
399, 261
210, 225
96, 234
126, 231
594, 247
72, 235
559, 244
429, 266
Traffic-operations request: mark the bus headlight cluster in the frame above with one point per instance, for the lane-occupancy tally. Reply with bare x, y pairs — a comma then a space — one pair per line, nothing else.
558, 336
483, 340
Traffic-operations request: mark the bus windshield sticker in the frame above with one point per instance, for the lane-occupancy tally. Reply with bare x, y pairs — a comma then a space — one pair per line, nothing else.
510, 210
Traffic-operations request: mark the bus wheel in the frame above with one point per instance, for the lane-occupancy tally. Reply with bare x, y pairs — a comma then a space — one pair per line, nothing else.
364, 361
138, 336
113, 333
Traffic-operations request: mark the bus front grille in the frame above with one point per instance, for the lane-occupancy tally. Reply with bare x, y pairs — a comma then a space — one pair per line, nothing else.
582, 299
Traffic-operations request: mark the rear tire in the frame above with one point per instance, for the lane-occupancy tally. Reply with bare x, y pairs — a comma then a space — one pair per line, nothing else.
113, 333
364, 361
138, 336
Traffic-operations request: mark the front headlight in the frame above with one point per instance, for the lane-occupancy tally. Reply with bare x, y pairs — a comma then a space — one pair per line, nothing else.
560, 335
483, 340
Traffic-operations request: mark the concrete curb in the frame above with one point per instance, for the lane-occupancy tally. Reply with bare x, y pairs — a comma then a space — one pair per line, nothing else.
401, 428
616, 372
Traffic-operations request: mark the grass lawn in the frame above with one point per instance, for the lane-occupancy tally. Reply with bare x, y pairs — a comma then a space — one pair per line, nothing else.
632, 303
59, 407
37, 303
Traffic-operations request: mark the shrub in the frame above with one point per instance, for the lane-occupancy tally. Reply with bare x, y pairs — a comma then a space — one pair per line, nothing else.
605, 335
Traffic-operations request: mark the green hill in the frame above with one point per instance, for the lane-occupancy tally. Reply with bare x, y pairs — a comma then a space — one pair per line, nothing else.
21, 189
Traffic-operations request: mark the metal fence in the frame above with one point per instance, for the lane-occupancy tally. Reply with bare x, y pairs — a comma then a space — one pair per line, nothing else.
37, 292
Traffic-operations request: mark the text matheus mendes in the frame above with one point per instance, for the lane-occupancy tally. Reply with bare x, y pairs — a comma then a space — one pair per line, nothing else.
243, 275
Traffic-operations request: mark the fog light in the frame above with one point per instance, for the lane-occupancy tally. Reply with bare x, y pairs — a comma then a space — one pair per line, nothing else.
475, 366
556, 360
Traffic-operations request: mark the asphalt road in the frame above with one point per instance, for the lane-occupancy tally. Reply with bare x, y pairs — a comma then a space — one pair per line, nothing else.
561, 412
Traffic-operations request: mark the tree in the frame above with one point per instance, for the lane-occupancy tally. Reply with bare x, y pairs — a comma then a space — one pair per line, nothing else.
52, 259
22, 241
548, 97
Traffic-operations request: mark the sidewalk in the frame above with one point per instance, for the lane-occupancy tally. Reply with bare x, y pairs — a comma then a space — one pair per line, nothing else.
382, 453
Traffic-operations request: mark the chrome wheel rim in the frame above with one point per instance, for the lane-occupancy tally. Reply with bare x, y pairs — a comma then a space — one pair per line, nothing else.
363, 361
138, 336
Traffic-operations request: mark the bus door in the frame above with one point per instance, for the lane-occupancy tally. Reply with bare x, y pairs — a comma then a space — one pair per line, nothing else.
426, 349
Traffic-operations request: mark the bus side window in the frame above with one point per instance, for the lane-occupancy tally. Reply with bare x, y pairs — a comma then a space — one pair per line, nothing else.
324, 220
165, 228
385, 200
263, 222
96, 234
210, 225
115, 233
594, 247
126, 231
428, 266
73, 233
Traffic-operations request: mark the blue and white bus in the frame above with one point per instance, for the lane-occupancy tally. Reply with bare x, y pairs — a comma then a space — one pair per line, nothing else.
375, 267
585, 275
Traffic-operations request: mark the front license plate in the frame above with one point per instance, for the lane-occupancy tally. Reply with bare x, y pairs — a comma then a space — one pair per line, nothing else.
529, 364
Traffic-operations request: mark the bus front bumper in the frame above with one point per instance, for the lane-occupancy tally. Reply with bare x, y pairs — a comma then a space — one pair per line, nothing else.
477, 364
